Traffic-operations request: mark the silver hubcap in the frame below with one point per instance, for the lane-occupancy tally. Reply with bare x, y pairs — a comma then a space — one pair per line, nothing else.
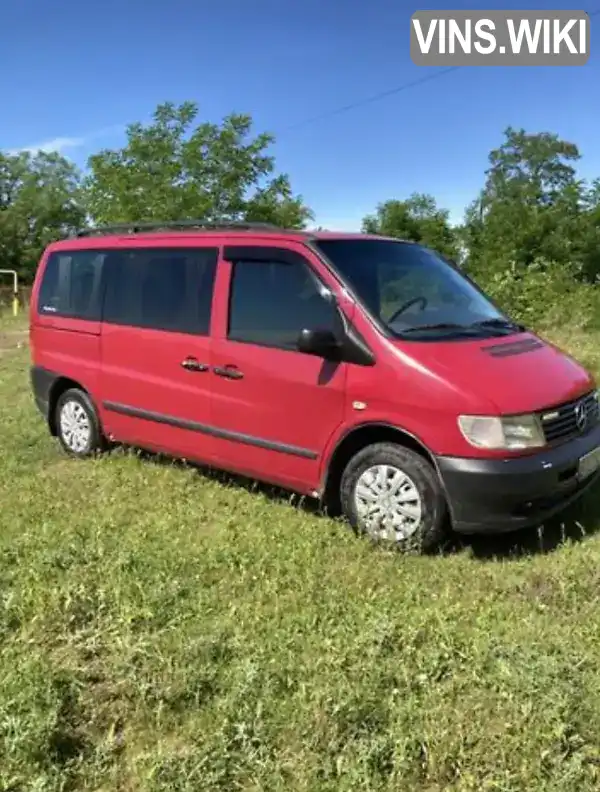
75, 426
388, 503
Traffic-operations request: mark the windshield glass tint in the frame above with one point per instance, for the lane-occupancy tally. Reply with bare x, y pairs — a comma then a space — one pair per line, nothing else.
407, 286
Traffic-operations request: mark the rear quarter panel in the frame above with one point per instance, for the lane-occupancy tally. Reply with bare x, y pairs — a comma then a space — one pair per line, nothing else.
64, 346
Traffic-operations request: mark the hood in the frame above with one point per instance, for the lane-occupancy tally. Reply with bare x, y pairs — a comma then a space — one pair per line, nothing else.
518, 374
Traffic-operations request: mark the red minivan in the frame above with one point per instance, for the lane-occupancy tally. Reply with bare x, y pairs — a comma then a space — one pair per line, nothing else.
364, 371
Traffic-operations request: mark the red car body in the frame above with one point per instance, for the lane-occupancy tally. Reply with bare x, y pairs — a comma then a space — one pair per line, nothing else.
294, 418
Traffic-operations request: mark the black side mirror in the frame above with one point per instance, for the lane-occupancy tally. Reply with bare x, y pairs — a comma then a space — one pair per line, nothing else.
322, 343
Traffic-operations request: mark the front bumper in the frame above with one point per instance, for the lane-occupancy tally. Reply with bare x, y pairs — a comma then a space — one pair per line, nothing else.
501, 495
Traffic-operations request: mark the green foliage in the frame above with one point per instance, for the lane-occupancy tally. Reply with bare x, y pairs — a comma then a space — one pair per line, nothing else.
176, 169
531, 207
531, 238
533, 235
39, 201
417, 219
545, 295
165, 631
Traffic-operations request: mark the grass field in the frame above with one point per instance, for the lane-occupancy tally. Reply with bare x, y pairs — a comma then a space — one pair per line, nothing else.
163, 630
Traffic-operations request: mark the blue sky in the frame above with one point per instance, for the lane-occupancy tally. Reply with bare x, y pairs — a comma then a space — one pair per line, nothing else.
75, 73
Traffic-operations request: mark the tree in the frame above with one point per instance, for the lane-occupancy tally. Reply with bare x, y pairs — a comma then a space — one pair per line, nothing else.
39, 202
417, 219
590, 242
531, 207
175, 168
533, 167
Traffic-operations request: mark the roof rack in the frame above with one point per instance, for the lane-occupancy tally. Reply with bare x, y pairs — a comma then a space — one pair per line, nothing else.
168, 225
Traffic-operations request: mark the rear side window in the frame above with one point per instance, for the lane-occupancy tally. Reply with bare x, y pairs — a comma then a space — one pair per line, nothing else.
71, 285
271, 302
161, 289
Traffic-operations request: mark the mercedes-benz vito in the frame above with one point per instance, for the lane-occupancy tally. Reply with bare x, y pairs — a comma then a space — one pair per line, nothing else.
364, 371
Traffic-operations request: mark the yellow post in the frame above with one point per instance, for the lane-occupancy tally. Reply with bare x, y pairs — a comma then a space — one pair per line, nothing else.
15, 280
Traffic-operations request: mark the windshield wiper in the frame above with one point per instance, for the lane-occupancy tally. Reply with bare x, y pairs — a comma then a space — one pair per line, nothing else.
470, 329
501, 324
439, 326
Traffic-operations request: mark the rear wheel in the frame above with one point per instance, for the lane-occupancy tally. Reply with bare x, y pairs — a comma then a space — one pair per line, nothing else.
77, 424
393, 495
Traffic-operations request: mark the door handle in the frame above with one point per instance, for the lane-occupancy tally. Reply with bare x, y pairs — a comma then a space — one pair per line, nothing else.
191, 364
230, 372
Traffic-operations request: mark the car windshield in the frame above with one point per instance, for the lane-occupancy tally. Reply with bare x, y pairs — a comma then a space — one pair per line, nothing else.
412, 290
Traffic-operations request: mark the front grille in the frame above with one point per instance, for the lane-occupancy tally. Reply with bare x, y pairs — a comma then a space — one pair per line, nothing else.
571, 419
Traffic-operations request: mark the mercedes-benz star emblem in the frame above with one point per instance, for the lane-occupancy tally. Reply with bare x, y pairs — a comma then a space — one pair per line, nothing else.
580, 416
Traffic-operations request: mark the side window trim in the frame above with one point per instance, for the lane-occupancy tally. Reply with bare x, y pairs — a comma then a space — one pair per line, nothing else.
204, 273
202, 323
63, 282
202, 313
282, 255
235, 253
200, 271
267, 254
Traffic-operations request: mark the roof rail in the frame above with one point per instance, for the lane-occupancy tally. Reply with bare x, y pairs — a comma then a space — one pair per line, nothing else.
168, 225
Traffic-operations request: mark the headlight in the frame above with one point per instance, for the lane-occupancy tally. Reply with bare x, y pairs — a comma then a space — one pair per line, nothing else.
509, 433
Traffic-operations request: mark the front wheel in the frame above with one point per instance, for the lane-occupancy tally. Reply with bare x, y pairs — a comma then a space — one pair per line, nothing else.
393, 494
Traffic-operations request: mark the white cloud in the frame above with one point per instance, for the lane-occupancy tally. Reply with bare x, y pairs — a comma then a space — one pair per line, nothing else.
58, 144
61, 145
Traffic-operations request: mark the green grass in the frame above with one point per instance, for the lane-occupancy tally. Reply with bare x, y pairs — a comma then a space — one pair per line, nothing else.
161, 630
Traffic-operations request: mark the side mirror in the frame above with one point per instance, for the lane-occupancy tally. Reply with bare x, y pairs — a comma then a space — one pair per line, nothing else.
322, 343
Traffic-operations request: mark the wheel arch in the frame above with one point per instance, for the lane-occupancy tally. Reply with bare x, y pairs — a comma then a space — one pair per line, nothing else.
354, 440
59, 386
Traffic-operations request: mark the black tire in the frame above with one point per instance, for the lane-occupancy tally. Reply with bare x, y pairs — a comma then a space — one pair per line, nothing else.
81, 405
431, 529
